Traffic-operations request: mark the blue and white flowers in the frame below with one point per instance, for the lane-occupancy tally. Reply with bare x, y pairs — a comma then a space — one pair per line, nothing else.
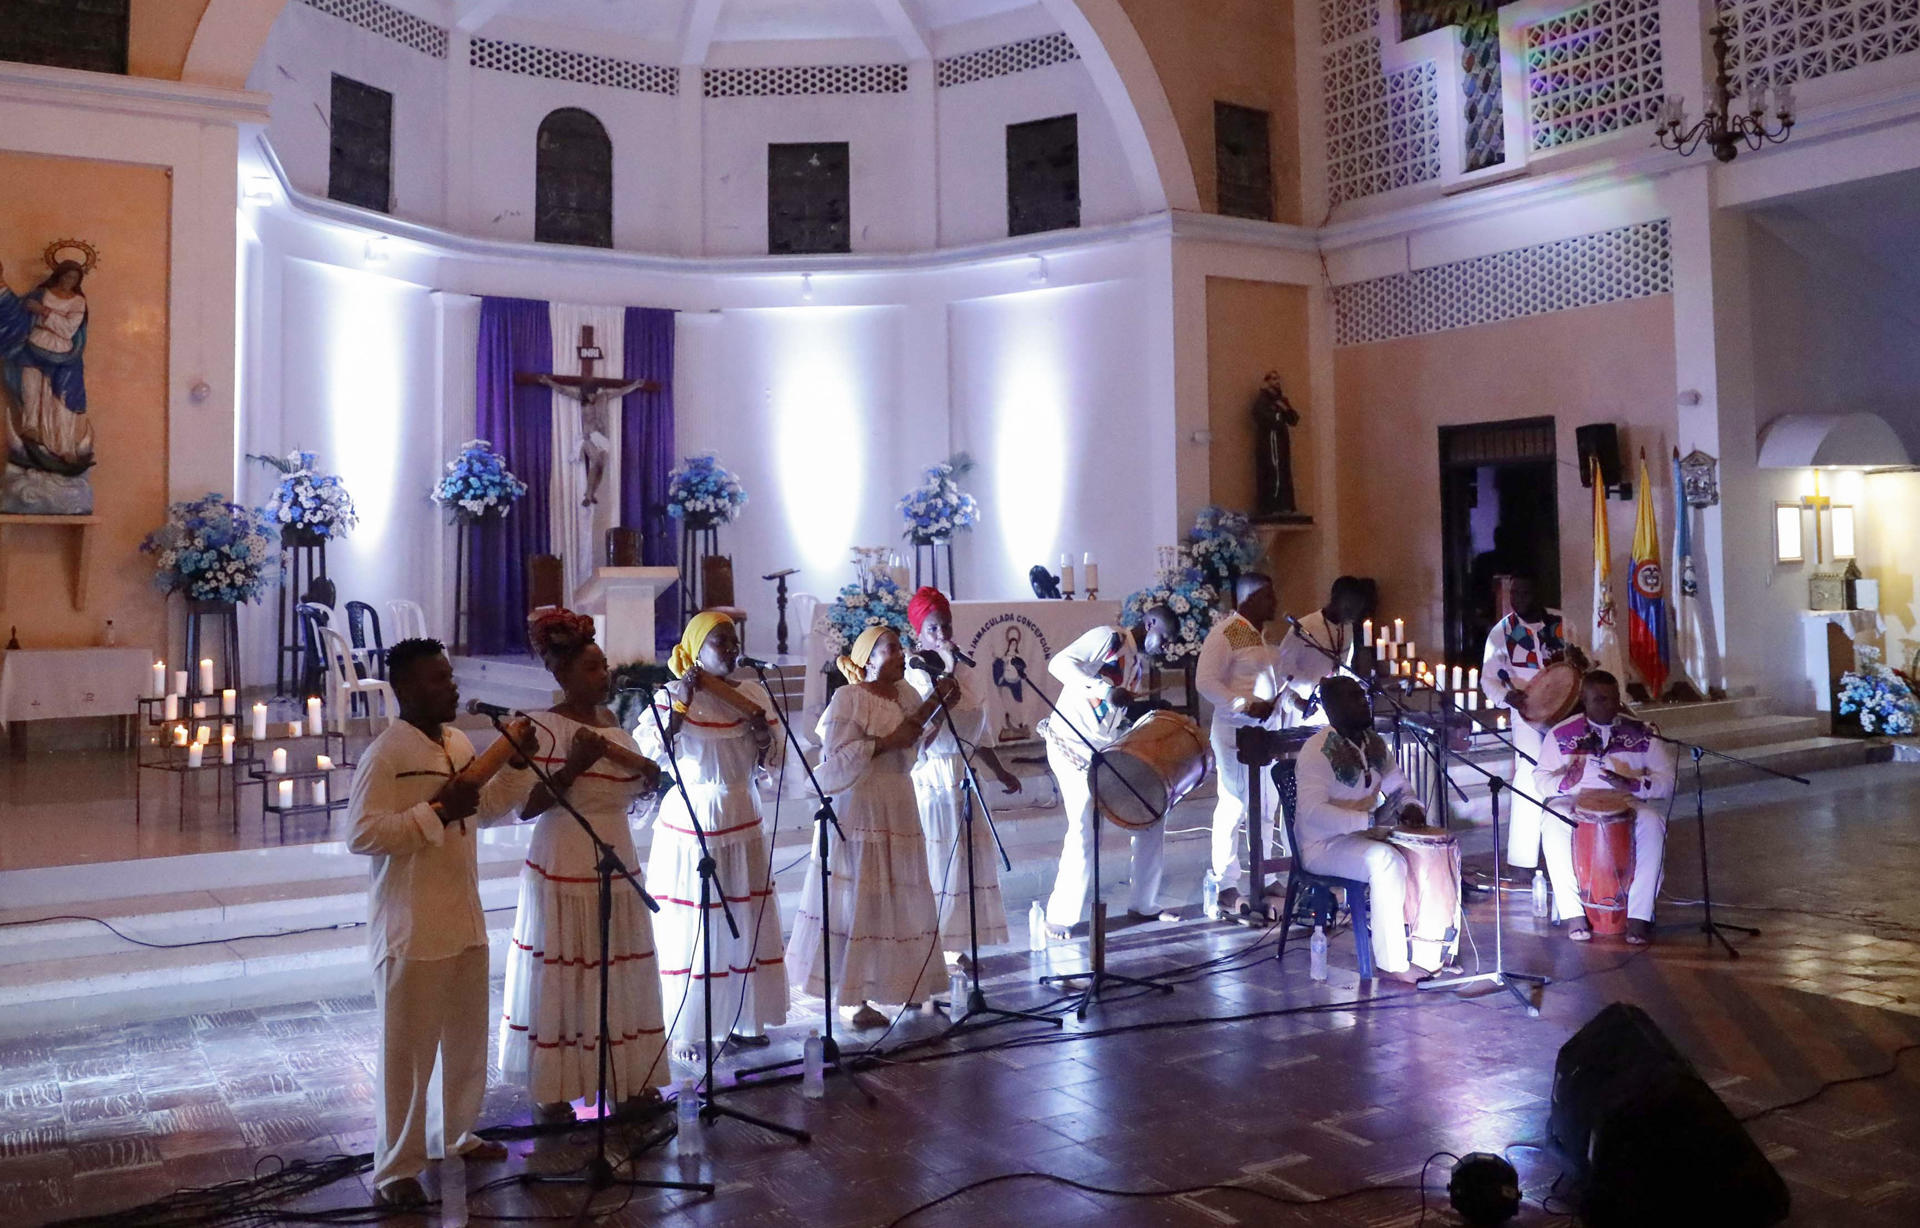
1185, 590
478, 484
307, 501
702, 493
881, 603
937, 508
213, 550
1880, 694
1222, 545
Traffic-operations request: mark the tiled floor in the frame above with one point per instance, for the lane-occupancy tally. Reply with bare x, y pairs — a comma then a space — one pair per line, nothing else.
1254, 1076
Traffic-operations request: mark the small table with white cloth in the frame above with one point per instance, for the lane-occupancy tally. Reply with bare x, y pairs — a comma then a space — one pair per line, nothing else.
38, 684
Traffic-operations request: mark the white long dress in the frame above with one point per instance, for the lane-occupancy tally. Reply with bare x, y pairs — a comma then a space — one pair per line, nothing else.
550, 1034
940, 783
886, 941
714, 758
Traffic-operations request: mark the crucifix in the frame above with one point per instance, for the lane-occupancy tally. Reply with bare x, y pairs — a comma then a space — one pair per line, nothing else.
593, 393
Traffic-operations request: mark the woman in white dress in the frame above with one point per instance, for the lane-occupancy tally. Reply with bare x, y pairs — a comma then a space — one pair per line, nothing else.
550, 1036
940, 781
885, 935
718, 747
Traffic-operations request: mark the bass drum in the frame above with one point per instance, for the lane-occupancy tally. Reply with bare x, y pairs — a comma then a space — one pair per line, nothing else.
1149, 768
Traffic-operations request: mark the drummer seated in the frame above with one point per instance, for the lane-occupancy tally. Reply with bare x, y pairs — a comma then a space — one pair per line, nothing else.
1346, 775
1602, 748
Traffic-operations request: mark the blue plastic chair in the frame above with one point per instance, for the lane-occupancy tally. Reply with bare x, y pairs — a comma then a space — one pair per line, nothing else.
1310, 896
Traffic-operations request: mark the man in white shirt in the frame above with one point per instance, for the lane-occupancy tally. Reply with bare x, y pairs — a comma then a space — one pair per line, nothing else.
1319, 646
1346, 775
1100, 675
414, 813
1239, 673
1524, 642
1601, 748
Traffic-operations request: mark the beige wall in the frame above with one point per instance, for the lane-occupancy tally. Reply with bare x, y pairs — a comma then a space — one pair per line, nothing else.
1238, 51
1253, 328
123, 211
1613, 363
158, 35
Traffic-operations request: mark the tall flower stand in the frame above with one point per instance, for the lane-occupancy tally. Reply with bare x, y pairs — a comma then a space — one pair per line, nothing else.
463, 531
698, 539
927, 557
303, 559
198, 612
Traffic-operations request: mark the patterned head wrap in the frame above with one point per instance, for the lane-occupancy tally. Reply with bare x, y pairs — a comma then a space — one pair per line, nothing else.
853, 666
687, 651
924, 602
557, 635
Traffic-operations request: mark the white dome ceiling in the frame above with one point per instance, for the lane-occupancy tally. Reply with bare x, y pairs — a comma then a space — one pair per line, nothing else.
737, 20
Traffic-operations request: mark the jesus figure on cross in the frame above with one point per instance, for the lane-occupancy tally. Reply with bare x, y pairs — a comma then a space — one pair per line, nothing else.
594, 394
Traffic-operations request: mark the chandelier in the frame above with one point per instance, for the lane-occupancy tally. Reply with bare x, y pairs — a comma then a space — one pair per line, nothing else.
1722, 129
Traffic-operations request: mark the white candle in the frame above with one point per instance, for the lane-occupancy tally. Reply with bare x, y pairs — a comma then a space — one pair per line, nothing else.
170, 710
1473, 701
279, 761
259, 722
158, 686
323, 763
203, 734
296, 729
1393, 649
199, 708
1399, 631
286, 795
1459, 677
1366, 633
206, 675
1500, 721
1091, 571
1066, 574
195, 753
226, 744
179, 682
229, 701
179, 735
1473, 679
319, 792
313, 713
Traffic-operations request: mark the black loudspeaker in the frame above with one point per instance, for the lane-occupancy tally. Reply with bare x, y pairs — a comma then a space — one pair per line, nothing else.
1601, 441
1647, 1139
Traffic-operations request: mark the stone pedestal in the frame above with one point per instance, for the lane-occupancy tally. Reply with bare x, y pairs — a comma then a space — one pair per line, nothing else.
621, 601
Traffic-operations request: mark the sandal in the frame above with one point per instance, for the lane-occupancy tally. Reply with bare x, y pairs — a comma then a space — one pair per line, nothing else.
867, 1017
1579, 931
1639, 933
756, 1040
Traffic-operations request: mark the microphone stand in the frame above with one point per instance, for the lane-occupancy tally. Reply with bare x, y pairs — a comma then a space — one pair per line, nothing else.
599, 1173
1708, 926
710, 1109
825, 822
977, 1006
1096, 976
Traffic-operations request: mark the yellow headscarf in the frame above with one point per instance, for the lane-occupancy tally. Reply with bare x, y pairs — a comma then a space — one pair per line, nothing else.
853, 666
687, 651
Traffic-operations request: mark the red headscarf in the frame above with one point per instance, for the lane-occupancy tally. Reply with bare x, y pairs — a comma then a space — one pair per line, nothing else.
924, 602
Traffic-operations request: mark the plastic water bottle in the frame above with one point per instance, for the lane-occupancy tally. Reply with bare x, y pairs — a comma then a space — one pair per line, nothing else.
1540, 897
686, 1108
1317, 954
957, 993
1209, 895
1037, 927
453, 1191
813, 1067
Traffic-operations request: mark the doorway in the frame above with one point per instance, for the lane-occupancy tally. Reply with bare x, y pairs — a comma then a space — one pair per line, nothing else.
1499, 516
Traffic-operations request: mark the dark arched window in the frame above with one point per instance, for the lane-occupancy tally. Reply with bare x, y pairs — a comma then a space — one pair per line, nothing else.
573, 181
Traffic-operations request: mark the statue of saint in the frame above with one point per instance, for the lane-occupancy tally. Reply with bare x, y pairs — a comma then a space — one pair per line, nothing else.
43, 341
1273, 416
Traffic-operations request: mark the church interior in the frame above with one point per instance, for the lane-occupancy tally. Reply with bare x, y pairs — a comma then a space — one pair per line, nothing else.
891, 613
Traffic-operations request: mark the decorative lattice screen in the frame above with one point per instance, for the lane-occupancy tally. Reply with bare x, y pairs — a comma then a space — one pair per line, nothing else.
1593, 71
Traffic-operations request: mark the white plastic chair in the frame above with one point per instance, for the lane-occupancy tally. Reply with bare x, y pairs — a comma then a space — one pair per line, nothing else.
409, 620
344, 683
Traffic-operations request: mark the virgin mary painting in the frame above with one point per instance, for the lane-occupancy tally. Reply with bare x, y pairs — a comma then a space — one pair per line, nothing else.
43, 342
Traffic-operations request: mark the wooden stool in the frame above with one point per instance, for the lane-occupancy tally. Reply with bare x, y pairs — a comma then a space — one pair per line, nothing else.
716, 591
545, 582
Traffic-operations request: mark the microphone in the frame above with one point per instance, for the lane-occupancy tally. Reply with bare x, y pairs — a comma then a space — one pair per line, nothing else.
928, 662
480, 707
753, 662
1506, 679
961, 657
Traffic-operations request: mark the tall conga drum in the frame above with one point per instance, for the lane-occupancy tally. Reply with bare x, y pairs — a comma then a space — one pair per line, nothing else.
1433, 893
1603, 857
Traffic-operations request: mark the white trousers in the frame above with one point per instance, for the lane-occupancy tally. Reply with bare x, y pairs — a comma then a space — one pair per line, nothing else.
433, 1060
1649, 863
1074, 882
1523, 817
1385, 872
1230, 808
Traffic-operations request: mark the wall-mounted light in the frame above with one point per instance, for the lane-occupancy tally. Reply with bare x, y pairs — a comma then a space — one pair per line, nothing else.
806, 287
376, 250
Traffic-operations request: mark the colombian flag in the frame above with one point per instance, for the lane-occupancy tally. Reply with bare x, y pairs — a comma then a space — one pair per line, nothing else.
1647, 596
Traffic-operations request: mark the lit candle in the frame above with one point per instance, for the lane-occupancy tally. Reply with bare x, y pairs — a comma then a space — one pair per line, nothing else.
1459, 677
1366, 633
1473, 701
1500, 721
206, 676
279, 761
179, 682
226, 744
1399, 631
170, 709
1473, 679
229, 700
1090, 570
179, 735
286, 795
296, 729
1066, 574
199, 708
158, 686
203, 734
1408, 652
323, 763
195, 754
313, 713
259, 722
319, 792
1393, 650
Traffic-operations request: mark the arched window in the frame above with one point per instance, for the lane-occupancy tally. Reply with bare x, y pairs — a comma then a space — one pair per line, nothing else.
573, 181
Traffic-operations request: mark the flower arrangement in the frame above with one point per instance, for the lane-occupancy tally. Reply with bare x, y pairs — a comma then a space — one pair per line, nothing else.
1222, 545
307, 501
1185, 590
880, 602
701, 492
938, 508
477, 483
1881, 695
213, 549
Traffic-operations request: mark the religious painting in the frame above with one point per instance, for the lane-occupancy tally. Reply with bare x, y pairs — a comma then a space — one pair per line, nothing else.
43, 343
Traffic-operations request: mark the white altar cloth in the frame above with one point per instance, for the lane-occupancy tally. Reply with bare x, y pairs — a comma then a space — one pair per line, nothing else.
38, 684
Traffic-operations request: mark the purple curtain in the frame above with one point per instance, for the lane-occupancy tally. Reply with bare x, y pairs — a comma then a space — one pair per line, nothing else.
646, 452
515, 336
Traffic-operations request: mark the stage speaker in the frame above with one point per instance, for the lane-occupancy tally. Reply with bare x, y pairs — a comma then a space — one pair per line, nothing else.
1648, 1141
1600, 440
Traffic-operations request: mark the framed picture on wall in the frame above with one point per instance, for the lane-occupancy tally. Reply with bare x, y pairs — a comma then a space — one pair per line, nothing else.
1789, 544
1843, 547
